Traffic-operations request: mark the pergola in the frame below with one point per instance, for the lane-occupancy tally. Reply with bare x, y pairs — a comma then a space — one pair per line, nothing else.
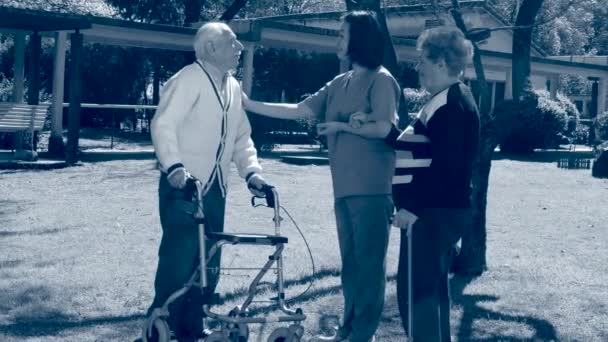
79, 28
22, 22
306, 32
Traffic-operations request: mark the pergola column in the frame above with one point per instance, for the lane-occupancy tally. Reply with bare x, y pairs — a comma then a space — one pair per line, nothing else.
56, 147
19, 67
24, 142
75, 94
509, 84
248, 68
19, 84
602, 92
553, 83
33, 75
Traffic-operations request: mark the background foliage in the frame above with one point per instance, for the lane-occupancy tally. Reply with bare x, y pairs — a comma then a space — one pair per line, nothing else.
124, 75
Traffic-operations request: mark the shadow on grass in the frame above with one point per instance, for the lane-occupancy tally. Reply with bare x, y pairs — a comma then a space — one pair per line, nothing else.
471, 310
57, 322
4, 264
36, 317
10, 207
320, 274
34, 232
34, 311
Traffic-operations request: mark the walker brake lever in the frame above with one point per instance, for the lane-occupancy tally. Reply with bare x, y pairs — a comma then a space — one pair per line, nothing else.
268, 195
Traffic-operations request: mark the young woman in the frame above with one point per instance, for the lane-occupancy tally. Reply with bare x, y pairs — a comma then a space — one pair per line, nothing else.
361, 168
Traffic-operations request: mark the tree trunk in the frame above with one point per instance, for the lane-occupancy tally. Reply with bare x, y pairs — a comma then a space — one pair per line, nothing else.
233, 10
522, 40
472, 257
192, 11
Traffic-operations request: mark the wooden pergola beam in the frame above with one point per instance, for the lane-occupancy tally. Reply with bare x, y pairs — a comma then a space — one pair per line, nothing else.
30, 20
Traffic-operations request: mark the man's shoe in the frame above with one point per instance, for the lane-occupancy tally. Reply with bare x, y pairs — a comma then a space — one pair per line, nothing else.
203, 334
326, 338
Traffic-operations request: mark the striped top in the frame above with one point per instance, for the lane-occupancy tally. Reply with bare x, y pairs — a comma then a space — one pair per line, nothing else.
435, 153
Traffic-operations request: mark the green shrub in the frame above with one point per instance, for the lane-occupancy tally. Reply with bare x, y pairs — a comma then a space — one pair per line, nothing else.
601, 123
553, 124
572, 113
6, 88
539, 123
580, 135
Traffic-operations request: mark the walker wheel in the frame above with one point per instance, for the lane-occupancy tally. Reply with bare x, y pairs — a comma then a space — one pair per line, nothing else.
156, 331
297, 330
286, 335
217, 336
243, 332
238, 332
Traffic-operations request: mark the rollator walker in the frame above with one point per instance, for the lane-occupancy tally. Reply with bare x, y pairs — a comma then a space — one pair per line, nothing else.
234, 326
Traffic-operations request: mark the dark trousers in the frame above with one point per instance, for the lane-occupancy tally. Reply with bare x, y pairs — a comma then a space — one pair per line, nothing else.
178, 255
434, 235
363, 229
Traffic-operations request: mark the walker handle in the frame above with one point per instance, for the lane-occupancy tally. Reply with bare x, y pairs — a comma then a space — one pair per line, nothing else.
269, 194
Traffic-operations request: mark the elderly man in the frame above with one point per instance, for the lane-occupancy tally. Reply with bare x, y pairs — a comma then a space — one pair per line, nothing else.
198, 129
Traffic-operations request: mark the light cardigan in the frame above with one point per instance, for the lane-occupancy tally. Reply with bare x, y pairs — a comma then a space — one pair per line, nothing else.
191, 127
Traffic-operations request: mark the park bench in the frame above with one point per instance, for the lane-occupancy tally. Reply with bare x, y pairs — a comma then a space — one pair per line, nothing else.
16, 117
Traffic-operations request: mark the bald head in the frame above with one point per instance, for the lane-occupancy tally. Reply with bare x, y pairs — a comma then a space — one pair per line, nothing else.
213, 33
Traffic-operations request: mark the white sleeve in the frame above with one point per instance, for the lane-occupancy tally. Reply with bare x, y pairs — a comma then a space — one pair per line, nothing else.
177, 99
245, 155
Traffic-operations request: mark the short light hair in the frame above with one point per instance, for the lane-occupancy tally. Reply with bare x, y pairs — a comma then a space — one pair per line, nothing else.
449, 44
209, 32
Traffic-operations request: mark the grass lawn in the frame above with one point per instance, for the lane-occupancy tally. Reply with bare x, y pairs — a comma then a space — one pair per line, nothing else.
78, 253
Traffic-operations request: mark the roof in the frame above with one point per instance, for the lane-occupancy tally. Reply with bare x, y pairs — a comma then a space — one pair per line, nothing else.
100, 29
34, 20
135, 34
387, 10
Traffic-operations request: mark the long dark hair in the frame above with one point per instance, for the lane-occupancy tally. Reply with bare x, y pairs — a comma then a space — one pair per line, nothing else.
366, 41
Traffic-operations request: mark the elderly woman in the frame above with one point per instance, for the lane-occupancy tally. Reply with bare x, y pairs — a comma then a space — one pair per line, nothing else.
361, 168
432, 182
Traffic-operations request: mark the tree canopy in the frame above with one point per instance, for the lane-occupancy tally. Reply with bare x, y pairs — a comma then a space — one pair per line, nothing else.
93, 7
